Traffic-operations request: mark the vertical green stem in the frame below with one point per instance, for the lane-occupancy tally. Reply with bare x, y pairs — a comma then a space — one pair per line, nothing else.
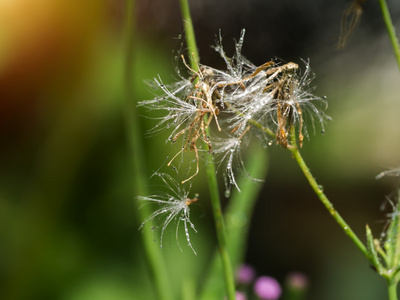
392, 289
189, 33
220, 228
325, 201
237, 216
391, 30
153, 253
210, 166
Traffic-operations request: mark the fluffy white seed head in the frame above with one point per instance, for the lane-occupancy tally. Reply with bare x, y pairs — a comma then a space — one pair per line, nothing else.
267, 100
174, 206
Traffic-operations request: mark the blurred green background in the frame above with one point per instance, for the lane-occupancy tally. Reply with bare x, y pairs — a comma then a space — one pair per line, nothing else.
68, 217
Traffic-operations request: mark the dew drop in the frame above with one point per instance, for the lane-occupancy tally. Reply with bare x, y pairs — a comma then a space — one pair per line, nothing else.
269, 143
227, 193
321, 188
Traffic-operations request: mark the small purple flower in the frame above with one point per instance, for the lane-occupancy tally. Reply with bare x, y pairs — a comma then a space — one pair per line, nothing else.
267, 288
245, 274
240, 296
297, 280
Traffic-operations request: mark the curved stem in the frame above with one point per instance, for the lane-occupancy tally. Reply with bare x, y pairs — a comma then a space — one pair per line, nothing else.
391, 30
311, 180
153, 253
325, 201
210, 166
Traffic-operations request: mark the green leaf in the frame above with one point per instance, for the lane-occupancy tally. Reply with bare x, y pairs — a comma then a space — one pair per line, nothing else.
392, 243
373, 255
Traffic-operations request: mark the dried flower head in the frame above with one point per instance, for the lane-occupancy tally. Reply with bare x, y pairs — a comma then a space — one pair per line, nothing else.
273, 96
241, 99
174, 206
295, 103
190, 109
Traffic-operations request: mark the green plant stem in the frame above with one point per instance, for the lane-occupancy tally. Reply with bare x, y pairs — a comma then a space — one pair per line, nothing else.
220, 228
318, 190
210, 166
152, 251
392, 244
325, 201
190, 36
237, 217
391, 30
392, 289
